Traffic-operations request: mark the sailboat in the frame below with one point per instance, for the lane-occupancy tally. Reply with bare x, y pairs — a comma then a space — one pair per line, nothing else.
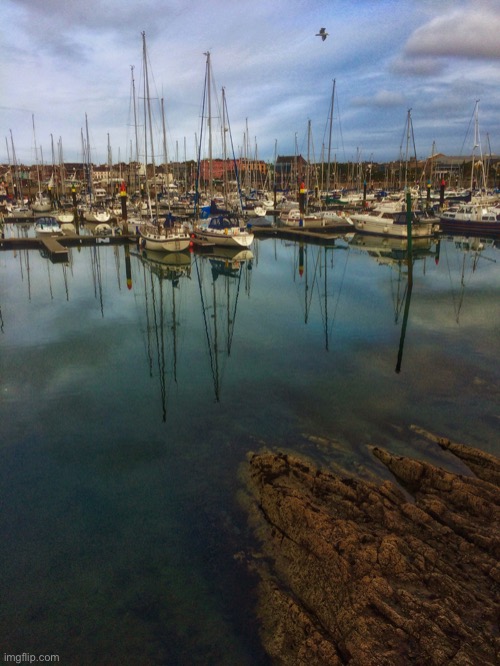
222, 226
41, 204
171, 236
477, 216
384, 222
94, 212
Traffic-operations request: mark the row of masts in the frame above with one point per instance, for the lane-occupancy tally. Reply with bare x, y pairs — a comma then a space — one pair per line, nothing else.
323, 179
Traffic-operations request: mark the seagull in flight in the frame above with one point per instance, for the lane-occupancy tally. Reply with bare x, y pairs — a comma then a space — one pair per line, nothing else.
322, 33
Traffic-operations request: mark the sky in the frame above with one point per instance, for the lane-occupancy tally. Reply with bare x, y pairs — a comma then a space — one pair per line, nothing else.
67, 66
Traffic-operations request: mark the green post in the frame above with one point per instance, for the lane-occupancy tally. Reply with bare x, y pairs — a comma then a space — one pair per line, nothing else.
410, 283
75, 209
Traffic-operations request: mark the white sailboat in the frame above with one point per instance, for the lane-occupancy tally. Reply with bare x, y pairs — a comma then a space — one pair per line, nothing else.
171, 236
95, 212
222, 226
386, 222
41, 204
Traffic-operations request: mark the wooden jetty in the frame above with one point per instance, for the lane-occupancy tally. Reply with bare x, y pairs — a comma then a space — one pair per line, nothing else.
56, 247
312, 233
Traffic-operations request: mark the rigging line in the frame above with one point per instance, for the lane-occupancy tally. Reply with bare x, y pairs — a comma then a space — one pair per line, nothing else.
174, 332
314, 282
161, 375
340, 291
467, 132
397, 299
200, 143
97, 278
236, 174
324, 313
148, 325
216, 347
50, 282
28, 272
212, 366
233, 320
65, 275
163, 383
451, 282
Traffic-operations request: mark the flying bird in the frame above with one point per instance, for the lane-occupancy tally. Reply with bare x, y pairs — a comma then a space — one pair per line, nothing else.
322, 33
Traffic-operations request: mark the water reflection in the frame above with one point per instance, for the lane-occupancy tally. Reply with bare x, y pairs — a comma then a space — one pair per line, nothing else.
315, 273
407, 299
396, 254
221, 275
468, 255
163, 274
114, 458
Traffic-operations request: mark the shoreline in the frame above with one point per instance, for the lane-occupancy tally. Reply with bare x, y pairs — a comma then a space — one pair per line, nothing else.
390, 572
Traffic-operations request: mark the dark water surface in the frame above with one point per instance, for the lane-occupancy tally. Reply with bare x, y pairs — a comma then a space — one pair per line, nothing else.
126, 414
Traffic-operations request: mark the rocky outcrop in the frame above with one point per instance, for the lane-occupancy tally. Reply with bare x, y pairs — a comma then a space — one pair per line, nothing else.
356, 572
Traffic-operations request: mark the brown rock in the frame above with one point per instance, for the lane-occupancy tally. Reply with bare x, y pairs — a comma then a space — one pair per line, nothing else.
354, 572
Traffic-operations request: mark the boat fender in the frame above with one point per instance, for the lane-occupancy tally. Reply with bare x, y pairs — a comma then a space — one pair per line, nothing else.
386, 229
225, 231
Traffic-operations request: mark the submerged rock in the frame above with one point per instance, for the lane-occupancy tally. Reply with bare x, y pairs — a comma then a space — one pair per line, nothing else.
356, 572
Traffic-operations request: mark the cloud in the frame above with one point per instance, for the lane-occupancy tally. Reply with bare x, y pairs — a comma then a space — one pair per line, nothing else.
471, 33
409, 66
71, 59
381, 99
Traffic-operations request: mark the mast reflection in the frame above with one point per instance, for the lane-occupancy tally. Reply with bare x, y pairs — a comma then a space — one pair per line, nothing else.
230, 270
162, 277
315, 266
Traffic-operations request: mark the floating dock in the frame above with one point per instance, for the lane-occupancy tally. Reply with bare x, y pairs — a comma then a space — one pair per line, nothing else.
56, 247
312, 233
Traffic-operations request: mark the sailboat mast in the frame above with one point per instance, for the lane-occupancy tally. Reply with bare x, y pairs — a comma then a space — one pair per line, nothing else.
147, 102
89, 164
165, 157
477, 144
308, 153
36, 156
17, 179
408, 129
330, 138
224, 146
209, 123
62, 169
135, 115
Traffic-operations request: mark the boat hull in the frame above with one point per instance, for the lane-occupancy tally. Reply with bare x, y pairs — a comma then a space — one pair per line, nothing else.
41, 207
47, 226
470, 227
364, 225
231, 239
99, 217
160, 242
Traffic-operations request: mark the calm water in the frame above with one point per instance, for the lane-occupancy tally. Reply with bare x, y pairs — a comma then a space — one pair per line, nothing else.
126, 413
